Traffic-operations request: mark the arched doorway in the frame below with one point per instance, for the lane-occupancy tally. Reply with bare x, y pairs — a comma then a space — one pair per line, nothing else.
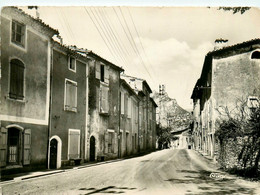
92, 148
53, 153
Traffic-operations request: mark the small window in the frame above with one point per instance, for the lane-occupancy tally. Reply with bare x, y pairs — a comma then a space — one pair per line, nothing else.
16, 90
122, 103
110, 142
253, 102
104, 105
102, 73
72, 64
255, 55
18, 33
70, 95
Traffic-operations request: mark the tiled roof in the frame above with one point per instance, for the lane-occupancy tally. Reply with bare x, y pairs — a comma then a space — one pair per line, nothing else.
235, 46
35, 19
91, 53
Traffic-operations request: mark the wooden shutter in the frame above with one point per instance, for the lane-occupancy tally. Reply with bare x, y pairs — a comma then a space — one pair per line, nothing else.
16, 79
106, 74
27, 146
97, 69
3, 146
74, 151
115, 146
106, 142
126, 104
122, 103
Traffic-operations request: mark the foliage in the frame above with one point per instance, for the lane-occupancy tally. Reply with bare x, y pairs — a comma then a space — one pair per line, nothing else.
235, 9
244, 123
164, 136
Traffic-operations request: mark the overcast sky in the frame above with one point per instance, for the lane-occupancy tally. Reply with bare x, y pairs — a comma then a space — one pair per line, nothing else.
164, 45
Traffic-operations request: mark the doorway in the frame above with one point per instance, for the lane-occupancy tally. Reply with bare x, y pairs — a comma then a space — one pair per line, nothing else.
92, 149
13, 143
53, 153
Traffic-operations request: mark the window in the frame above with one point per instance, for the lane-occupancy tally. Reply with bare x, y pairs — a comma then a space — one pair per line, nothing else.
102, 72
16, 90
129, 108
252, 103
72, 64
74, 144
104, 104
110, 142
18, 33
70, 95
255, 55
122, 103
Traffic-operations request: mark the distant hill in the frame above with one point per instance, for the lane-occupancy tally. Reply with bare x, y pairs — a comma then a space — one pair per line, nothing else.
170, 113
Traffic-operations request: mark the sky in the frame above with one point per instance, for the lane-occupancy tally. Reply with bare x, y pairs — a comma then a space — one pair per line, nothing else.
163, 45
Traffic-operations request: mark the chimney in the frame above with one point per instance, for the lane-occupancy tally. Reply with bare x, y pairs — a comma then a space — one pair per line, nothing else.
220, 43
36, 11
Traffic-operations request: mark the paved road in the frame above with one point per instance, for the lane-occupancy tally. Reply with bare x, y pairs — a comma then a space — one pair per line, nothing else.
162, 172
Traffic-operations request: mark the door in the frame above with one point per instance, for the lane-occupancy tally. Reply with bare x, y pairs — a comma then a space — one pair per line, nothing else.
92, 148
13, 146
53, 153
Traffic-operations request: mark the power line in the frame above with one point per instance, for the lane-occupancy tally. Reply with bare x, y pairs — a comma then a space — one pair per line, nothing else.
120, 48
140, 39
131, 40
108, 35
99, 33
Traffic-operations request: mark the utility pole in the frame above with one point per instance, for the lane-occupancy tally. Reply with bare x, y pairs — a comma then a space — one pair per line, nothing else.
161, 94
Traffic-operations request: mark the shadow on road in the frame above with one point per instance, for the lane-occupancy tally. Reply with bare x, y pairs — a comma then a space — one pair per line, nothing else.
108, 190
208, 185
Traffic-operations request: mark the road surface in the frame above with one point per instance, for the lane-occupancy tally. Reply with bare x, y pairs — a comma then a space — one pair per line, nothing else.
171, 171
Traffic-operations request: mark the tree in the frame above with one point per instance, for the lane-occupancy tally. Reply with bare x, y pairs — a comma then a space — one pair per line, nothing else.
242, 122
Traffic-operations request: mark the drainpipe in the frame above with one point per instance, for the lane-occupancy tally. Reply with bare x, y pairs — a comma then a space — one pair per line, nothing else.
50, 106
119, 114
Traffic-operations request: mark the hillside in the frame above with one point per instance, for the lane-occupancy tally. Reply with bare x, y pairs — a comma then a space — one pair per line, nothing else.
170, 113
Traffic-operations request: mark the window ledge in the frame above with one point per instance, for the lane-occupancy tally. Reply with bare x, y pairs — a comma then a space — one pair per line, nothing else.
103, 113
70, 109
16, 100
104, 83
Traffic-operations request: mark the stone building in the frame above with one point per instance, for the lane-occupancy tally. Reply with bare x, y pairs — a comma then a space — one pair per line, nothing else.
129, 103
147, 112
69, 107
229, 74
25, 90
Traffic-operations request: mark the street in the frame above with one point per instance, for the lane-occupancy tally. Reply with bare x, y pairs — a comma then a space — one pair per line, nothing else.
171, 171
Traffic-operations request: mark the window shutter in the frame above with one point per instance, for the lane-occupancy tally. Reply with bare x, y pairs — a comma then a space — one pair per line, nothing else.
106, 142
20, 81
97, 69
129, 107
27, 146
74, 137
122, 103
106, 74
3, 146
126, 103
115, 143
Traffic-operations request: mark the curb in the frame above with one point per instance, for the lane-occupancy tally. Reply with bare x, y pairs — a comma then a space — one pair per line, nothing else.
27, 177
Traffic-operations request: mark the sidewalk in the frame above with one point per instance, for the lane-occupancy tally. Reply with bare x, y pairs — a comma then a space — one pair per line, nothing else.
29, 175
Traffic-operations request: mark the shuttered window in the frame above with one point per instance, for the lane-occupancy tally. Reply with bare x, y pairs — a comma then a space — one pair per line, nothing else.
104, 104
70, 95
16, 79
74, 144
102, 72
18, 33
122, 103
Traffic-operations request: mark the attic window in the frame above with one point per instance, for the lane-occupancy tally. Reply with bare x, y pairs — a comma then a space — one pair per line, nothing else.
255, 55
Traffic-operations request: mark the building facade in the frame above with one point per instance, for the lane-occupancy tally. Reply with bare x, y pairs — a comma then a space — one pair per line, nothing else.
230, 76
69, 107
129, 129
25, 89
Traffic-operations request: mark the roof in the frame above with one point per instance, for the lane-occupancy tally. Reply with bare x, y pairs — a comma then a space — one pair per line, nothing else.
37, 20
136, 83
68, 50
128, 87
94, 55
154, 103
237, 48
